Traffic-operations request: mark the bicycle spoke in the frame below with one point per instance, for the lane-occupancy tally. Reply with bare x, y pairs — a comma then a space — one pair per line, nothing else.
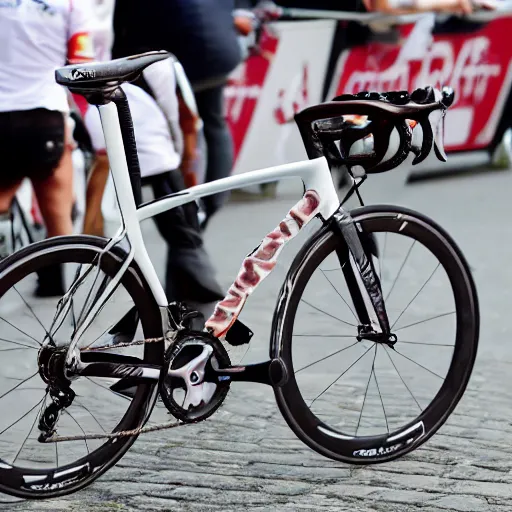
80, 427
328, 314
66, 299
105, 387
339, 294
18, 343
25, 440
430, 344
414, 298
427, 320
332, 384
32, 311
403, 381
92, 415
420, 365
100, 289
245, 353
22, 417
77, 283
73, 317
380, 394
11, 349
381, 260
18, 385
120, 325
366, 392
400, 270
19, 330
100, 336
326, 357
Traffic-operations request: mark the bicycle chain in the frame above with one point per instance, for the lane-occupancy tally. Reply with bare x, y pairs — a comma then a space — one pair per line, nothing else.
123, 345
121, 433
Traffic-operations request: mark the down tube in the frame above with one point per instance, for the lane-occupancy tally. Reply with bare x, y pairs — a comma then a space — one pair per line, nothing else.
260, 263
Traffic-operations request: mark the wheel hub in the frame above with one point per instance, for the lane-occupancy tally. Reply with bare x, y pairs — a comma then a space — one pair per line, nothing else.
366, 332
51, 361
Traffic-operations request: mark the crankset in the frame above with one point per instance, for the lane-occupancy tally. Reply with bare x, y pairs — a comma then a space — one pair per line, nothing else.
190, 386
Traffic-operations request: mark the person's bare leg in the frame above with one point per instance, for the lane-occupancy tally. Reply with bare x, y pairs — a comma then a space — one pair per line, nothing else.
55, 197
7, 195
93, 219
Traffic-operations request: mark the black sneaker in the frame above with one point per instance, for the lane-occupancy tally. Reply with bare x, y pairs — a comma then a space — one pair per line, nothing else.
50, 282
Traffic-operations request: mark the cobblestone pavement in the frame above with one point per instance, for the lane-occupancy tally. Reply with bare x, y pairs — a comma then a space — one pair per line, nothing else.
246, 458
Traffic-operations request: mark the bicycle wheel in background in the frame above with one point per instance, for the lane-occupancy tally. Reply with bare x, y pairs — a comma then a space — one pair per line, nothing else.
363, 402
28, 468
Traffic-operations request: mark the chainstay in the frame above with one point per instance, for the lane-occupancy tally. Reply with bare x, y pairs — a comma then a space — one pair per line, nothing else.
122, 345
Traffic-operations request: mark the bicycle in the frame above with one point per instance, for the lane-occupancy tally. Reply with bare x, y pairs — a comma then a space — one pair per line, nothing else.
188, 365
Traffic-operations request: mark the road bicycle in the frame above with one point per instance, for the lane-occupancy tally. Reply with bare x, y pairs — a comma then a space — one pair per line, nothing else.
80, 399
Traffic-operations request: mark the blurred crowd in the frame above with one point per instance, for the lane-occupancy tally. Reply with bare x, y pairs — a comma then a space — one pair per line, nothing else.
177, 108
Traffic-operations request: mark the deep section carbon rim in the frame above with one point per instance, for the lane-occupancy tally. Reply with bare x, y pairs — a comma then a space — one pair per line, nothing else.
365, 402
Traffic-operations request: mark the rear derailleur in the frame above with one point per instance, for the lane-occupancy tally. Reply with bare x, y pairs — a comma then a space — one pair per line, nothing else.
51, 362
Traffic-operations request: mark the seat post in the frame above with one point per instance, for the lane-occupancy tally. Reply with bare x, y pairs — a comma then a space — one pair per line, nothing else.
130, 146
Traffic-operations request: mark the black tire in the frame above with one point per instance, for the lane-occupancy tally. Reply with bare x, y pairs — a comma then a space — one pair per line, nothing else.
84, 249
387, 446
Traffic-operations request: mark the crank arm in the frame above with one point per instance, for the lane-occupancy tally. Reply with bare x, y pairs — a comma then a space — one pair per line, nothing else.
271, 373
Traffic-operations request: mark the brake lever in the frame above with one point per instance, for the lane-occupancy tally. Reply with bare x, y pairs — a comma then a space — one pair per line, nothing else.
427, 140
405, 137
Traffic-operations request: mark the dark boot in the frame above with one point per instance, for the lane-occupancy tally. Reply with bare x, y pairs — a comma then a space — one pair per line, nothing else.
50, 282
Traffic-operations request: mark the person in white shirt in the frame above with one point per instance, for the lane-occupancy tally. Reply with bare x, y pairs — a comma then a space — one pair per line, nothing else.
36, 37
155, 110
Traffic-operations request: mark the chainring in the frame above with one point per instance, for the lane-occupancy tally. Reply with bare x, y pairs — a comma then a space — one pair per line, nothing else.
189, 387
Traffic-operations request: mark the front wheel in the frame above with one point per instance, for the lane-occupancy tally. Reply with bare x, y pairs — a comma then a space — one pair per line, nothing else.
360, 401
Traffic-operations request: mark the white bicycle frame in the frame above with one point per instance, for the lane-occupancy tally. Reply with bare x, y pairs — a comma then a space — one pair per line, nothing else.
315, 175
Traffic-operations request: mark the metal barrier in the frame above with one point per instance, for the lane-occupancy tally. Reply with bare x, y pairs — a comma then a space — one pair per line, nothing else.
504, 8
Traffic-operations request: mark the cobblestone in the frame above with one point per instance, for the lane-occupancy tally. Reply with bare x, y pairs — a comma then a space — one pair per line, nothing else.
246, 458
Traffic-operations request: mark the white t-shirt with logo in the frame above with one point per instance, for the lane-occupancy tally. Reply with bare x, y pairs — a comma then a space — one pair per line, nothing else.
152, 136
36, 37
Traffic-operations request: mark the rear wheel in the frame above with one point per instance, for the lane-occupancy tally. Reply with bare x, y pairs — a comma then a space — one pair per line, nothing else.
360, 401
32, 469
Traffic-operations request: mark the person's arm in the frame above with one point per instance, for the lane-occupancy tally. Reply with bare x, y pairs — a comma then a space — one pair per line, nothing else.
419, 6
80, 29
188, 124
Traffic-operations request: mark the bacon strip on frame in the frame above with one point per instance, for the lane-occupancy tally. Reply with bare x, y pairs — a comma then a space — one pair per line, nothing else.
260, 263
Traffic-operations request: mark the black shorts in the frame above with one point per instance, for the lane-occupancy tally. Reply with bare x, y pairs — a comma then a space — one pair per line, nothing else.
31, 144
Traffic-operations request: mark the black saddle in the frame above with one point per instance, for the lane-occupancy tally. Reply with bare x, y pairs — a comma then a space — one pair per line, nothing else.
100, 75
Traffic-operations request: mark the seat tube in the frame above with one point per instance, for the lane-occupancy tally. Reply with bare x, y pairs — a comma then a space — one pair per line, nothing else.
128, 209
118, 164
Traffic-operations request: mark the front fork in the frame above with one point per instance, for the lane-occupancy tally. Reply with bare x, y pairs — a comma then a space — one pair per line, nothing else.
362, 279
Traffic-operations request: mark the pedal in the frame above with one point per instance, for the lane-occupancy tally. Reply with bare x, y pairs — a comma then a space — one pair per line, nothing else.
239, 334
